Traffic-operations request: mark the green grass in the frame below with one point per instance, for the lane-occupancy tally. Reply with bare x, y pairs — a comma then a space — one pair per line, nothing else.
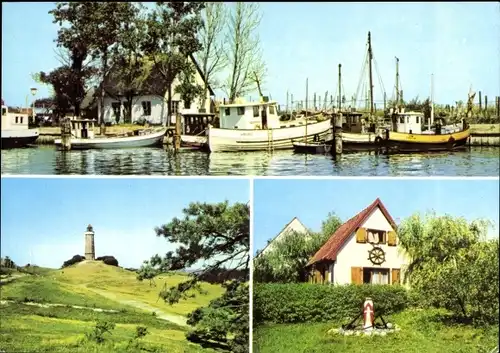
27, 328
421, 331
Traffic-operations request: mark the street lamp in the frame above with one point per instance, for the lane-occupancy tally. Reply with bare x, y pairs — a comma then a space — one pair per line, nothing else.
33, 92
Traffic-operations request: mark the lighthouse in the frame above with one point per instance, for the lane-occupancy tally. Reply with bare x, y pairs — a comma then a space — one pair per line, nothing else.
89, 243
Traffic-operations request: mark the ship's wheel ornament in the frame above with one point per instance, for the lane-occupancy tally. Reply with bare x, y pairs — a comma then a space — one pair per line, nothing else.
376, 255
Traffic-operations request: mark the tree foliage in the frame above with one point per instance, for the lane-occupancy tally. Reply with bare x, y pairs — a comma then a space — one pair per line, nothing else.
243, 52
285, 262
74, 260
452, 265
108, 260
212, 237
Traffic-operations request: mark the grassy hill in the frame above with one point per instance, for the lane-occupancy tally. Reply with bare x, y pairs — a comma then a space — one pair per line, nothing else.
86, 293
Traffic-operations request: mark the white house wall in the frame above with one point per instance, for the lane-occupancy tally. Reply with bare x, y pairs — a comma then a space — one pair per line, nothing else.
294, 226
353, 254
158, 109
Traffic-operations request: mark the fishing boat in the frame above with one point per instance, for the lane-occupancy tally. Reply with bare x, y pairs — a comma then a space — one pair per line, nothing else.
255, 126
15, 130
83, 137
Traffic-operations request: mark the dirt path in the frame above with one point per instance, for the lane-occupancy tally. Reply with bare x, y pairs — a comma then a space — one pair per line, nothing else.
48, 305
176, 319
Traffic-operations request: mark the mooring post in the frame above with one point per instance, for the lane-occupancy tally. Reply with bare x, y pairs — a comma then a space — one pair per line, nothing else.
66, 134
486, 105
498, 106
337, 134
177, 135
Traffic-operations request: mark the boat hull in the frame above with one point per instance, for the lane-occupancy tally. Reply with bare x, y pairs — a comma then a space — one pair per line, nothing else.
234, 140
400, 142
358, 142
312, 148
200, 142
18, 138
149, 140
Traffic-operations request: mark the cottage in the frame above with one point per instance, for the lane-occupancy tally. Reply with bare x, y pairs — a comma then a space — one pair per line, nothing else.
293, 226
362, 250
154, 108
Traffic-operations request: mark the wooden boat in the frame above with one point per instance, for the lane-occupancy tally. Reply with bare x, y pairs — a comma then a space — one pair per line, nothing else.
83, 137
15, 130
255, 126
312, 148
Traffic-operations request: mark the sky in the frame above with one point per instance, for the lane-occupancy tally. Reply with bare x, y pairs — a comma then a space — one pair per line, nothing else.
48, 217
457, 42
276, 202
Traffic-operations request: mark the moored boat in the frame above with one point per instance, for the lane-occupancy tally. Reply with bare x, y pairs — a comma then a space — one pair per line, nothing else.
255, 126
15, 130
83, 137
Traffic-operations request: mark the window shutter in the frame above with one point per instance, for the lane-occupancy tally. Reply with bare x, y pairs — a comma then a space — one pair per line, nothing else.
361, 235
356, 275
395, 276
391, 238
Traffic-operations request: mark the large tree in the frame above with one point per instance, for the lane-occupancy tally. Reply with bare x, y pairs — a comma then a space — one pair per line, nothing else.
212, 58
211, 237
452, 264
243, 52
286, 260
171, 40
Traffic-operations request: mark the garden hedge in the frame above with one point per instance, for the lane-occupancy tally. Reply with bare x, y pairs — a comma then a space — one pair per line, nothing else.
304, 302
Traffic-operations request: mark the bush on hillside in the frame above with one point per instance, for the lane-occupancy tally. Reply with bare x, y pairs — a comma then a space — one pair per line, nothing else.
108, 260
304, 302
75, 259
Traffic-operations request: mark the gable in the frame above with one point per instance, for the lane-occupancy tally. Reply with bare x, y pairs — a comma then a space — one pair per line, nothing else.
293, 226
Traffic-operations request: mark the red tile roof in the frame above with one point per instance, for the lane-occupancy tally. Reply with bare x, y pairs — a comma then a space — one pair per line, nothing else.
328, 252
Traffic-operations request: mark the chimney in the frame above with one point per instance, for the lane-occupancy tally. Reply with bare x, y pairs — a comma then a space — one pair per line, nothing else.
89, 243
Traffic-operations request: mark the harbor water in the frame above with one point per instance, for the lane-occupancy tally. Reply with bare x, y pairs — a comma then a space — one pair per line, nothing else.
46, 160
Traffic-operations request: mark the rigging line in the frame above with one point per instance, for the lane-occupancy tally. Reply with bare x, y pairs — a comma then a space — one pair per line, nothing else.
379, 77
363, 69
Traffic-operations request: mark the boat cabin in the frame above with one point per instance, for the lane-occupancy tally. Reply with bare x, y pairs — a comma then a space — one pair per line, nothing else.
408, 122
14, 121
352, 122
83, 128
249, 115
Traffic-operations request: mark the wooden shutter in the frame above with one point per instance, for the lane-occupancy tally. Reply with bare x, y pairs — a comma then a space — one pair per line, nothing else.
361, 235
391, 238
395, 276
356, 275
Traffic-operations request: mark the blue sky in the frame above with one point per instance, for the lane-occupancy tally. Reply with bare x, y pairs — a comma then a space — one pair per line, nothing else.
49, 216
458, 42
276, 202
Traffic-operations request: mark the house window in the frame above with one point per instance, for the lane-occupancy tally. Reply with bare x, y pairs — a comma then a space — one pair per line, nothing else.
146, 108
376, 236
175, 107
21, 119
241, 110
17, 119
227, 112
418, 119
116, 109
402, 120
271, 109
376, 275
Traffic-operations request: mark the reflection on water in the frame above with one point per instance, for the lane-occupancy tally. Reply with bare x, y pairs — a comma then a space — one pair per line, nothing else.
477, 161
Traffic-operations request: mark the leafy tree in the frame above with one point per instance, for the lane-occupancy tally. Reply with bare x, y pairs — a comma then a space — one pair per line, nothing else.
452, 265
108, 260
287, 259
243, 52
171, 40
212, 236
7, 262
74, 260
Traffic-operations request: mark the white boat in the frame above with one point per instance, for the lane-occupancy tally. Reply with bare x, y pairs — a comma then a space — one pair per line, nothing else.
255, 126
15, 129
83, 137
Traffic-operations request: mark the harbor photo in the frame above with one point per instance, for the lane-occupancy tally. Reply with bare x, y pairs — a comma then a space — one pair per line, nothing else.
209, 89
101, 265
354, 265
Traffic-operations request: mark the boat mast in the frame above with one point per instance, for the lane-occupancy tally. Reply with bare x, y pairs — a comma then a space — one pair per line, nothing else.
340, 88
397, 83
431, 120
370, 57
307, 96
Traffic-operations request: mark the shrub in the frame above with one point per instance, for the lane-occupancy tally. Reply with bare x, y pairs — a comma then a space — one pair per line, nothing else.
303, 302
108, 260
75, 259
101, 327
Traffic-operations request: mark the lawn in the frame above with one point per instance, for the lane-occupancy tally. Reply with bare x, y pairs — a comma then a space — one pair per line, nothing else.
92, 285
421, 331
